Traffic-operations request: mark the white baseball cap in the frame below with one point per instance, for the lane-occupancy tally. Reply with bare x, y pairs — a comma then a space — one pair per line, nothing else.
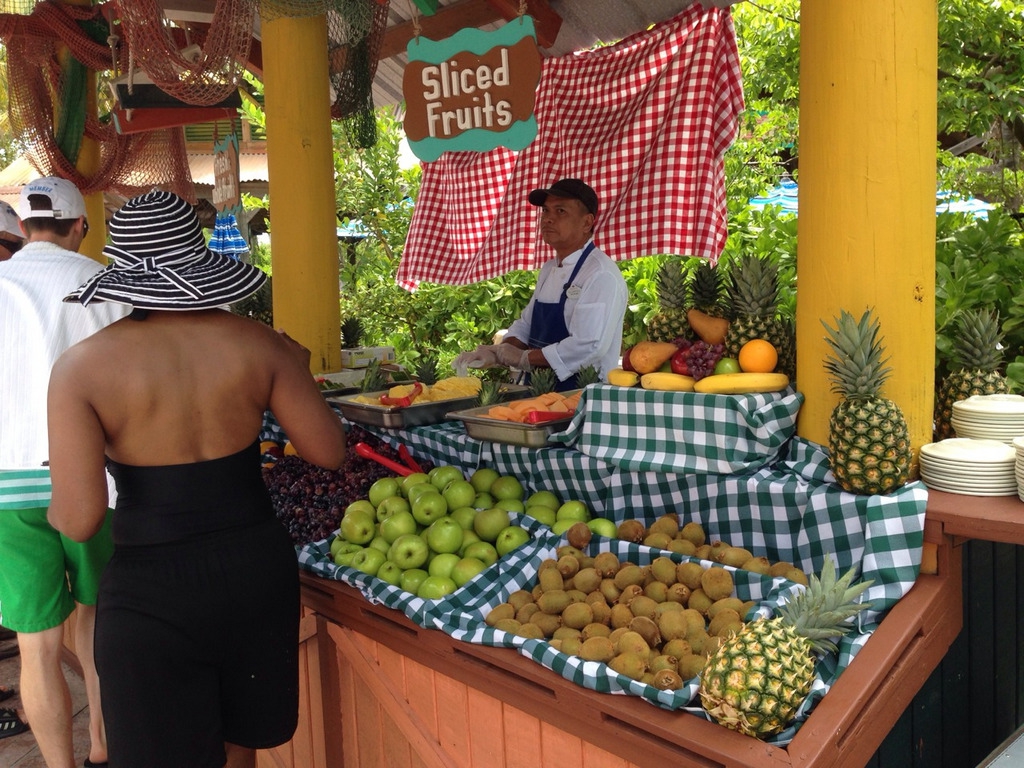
9, 222
62, 200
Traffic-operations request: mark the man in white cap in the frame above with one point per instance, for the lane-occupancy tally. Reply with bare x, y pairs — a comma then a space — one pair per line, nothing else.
11, 236
43, 575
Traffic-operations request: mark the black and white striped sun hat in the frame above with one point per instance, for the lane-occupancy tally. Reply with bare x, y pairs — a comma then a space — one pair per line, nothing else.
160, 261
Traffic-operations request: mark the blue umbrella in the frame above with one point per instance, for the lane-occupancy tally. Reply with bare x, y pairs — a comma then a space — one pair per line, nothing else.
226, 239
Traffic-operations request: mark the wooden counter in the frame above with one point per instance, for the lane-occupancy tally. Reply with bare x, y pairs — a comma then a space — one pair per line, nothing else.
402, 695
987, 518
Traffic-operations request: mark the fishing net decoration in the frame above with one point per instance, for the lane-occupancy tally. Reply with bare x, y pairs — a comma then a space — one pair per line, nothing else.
49, 50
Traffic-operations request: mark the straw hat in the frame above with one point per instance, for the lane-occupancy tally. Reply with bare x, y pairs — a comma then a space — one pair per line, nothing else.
160, 261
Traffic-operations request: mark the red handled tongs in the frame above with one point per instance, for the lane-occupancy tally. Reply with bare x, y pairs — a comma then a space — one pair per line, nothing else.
403, 402
404, 470
539, 417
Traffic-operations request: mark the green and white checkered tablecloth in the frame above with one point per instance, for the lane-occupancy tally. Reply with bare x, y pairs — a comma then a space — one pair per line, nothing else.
640, 429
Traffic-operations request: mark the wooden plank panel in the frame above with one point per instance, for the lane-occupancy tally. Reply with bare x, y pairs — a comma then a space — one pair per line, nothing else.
558, 747
419, 686
486, 730
452, 705
522, 743
595, 757
397, 750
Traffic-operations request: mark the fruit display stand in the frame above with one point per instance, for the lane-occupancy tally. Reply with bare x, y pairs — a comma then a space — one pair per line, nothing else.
405, 694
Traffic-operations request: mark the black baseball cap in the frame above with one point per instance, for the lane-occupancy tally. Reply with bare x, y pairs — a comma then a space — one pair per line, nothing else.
572, 188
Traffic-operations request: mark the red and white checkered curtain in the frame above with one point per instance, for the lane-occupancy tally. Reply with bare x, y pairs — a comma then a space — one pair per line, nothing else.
644, 122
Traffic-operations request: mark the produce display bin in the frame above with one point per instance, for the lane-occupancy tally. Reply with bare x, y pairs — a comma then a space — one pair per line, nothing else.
403, 417
480, 427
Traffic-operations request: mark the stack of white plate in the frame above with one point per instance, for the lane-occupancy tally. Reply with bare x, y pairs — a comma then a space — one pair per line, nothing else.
971, 467
989, 417
1018, 446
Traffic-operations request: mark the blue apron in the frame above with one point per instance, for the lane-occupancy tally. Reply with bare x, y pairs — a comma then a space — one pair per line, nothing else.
547, 323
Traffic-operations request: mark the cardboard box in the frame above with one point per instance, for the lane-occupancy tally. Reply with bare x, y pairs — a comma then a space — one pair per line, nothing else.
360, 357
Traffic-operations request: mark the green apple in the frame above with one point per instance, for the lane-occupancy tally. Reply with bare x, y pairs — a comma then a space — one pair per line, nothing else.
464, 516
436, 587
483, 551
345, 553
359, 526
602, 526
483, 501
573, 510
727, 365
466, 569
419, 489
390, 572
409, 551
482, 479
511, 538
379, 542
441, 476
444, 535
468, 537
390, 506
542, 514
490, 522
414, 479
459, 493
412, 578
397, 524
381, 489
561, 526
441, 564
369, 560
507, 487
544, 498
337, 542
428, 507
361, 504
510, 505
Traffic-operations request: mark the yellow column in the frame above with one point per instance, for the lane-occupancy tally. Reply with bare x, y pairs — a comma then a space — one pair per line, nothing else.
303, 234
867, 195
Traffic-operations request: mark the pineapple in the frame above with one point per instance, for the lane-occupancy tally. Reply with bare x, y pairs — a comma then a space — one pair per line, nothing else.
374, 379
755, 682
542, 380
706, 290
588, 374
754, 296
669, 323
426, 371
351, 333
976, 358
490, 392
868, 441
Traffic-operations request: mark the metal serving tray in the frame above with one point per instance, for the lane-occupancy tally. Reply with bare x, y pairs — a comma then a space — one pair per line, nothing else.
415, 415
479, 426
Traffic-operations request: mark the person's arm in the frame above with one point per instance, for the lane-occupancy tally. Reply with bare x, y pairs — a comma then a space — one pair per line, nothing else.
310, 423
78, 477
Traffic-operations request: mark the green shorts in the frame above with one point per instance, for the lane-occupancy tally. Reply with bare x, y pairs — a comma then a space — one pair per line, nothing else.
43, 573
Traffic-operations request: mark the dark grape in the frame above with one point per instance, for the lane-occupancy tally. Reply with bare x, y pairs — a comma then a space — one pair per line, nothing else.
309, 500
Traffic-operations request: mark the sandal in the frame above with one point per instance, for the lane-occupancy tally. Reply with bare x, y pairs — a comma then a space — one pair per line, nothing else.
10, 723
6, 693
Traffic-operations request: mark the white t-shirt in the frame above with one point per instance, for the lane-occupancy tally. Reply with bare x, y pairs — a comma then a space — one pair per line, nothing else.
36, 326
595, 306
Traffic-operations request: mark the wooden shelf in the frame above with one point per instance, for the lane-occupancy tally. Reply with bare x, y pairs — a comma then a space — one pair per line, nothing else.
989, 518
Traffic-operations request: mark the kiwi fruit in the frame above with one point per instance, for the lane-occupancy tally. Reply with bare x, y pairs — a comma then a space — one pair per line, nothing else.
664, 661
657, 591
733, 603
607, 564
690, 665
757, 565
554, 601
568, 566
548, 622
546, 564
524, 614
587, 580
519, 598
579, 535
620, 615
723, 618
628, 575
569, 645
632, 641
699, 601
602, 612
667, 680
499, 612
703, 552
578, 615
631, 530
689, 573
677, 648
734, 556
664, 570
642, 605
531, 631
597, 648
609, 590
627, 595
508, 625
658, 540
674, 625
647, 629
780, 568
682, 546
630, 664
795, 574
668, 524
716, 583
550, 580
576, 595
678, 593
563, 632
595, 629
693, 532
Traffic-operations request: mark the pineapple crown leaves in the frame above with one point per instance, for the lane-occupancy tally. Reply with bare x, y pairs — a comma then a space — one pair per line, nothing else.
755, 286
857, 369
977, 345
822, 611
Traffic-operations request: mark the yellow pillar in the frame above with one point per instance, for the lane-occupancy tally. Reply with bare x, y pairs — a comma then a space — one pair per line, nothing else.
867, 195
303, 232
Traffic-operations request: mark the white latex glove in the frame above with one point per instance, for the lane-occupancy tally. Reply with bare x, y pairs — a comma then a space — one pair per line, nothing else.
481, 357
513, 357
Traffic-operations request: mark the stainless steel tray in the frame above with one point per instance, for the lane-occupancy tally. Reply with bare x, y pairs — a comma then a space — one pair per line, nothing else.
479, 426
415, 415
